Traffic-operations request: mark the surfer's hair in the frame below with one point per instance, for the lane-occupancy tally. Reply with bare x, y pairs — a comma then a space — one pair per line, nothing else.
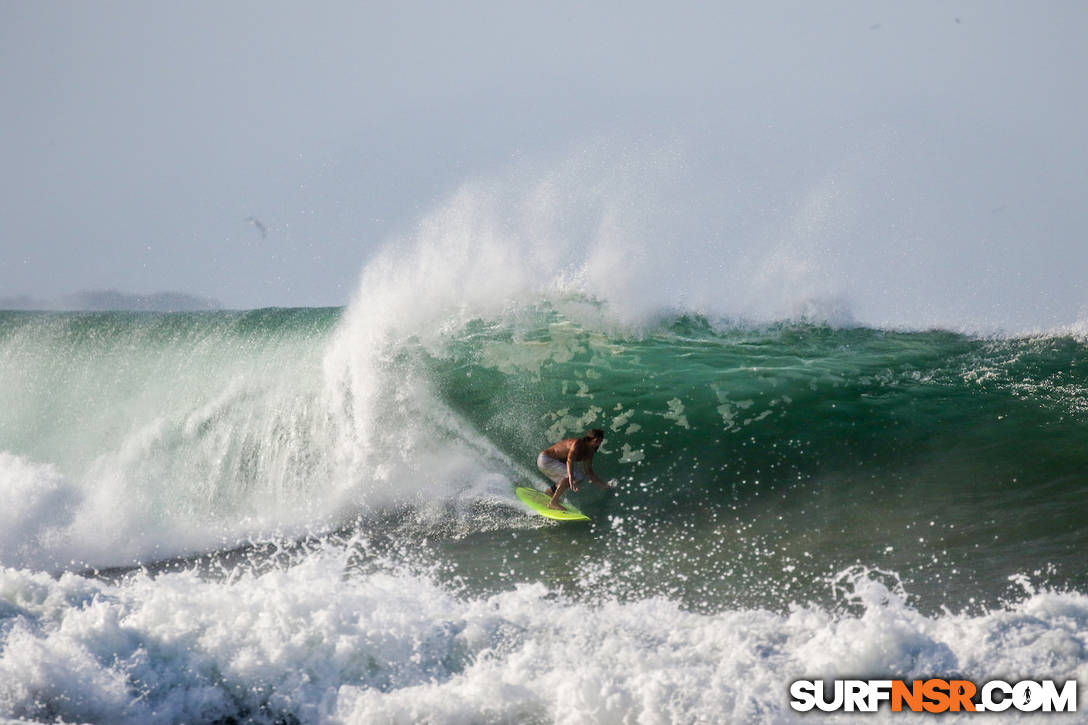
595, 434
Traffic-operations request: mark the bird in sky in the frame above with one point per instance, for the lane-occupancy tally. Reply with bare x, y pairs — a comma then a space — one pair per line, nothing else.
260, 227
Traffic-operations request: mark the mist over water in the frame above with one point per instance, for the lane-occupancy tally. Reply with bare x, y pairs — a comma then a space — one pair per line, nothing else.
859, 234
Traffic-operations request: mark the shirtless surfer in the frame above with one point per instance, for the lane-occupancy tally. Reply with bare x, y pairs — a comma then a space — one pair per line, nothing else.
557, 463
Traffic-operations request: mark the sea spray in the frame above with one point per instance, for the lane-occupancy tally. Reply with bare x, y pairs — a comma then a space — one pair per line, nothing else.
170, 432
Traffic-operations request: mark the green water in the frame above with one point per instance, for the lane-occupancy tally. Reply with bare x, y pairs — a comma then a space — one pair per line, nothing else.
752, 463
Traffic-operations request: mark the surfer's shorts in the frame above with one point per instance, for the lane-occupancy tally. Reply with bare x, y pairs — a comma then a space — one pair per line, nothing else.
557, 470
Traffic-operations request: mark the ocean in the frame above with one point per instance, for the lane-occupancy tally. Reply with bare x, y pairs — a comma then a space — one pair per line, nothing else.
307, 515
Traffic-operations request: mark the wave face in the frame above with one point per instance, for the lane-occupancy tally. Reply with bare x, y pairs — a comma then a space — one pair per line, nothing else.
136, 436
307, 515
160, 433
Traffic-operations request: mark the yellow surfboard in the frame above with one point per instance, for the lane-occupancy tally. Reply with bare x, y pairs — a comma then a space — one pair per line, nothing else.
538, 501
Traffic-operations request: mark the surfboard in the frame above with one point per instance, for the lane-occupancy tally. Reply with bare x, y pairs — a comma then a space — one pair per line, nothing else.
538, 502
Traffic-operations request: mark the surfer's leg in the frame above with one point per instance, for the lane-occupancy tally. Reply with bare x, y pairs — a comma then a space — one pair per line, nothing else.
559, 491
553, 469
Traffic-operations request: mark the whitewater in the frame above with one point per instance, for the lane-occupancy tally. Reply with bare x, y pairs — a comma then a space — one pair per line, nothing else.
307, 515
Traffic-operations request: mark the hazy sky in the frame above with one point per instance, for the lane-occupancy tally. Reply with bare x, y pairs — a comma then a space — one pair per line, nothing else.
138, 137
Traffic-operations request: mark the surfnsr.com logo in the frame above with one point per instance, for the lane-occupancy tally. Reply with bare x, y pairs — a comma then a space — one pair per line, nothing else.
933, 695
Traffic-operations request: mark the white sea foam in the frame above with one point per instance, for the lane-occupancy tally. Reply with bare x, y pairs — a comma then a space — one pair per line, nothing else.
36, 505
325, 643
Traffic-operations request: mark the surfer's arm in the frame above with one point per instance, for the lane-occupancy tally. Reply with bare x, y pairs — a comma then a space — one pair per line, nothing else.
592, 476
571, 458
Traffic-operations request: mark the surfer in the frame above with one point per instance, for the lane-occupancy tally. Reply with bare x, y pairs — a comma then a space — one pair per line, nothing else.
557, 463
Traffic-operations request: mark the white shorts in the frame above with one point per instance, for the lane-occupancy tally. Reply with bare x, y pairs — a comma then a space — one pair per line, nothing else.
557, 470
